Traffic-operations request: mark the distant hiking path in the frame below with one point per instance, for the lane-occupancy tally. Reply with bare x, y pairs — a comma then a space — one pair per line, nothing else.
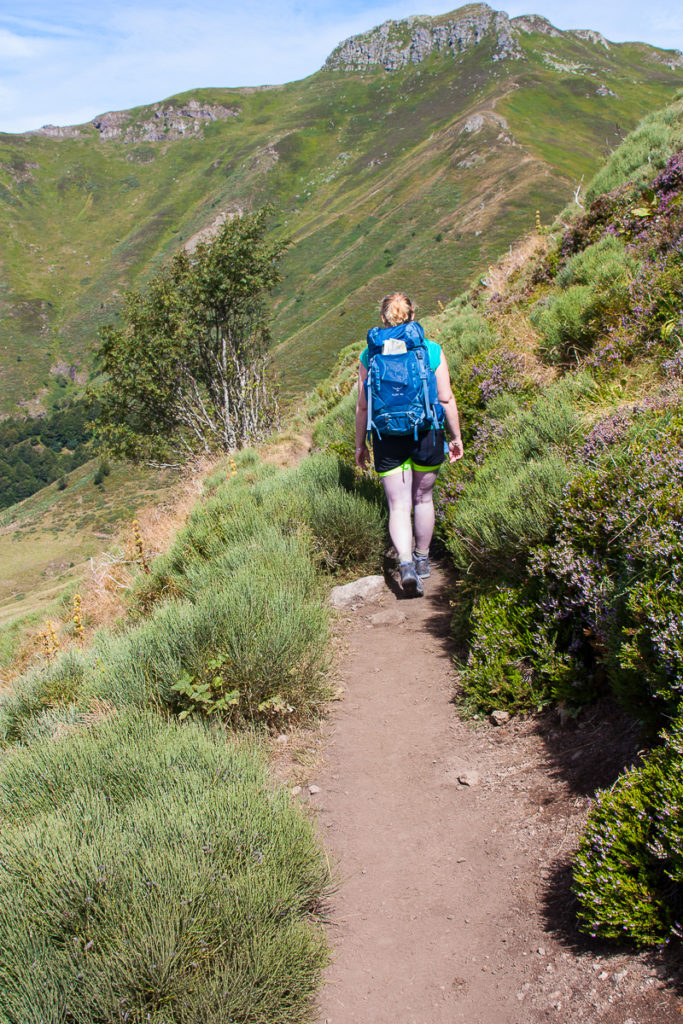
453, 902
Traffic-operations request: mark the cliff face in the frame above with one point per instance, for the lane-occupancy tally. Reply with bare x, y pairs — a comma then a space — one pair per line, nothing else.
395, 44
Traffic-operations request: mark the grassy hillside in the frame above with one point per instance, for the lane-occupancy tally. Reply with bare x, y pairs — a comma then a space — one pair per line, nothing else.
567, 366
415, 177
47, 540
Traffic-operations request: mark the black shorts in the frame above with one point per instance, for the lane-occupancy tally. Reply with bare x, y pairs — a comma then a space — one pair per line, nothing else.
396, 452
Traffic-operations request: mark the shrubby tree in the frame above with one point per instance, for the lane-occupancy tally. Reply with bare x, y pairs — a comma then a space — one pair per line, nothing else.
186, 370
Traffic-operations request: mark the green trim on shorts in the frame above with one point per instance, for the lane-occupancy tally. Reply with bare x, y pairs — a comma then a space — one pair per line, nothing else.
409, 464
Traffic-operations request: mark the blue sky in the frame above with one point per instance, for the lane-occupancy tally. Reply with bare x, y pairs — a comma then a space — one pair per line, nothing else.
65, 61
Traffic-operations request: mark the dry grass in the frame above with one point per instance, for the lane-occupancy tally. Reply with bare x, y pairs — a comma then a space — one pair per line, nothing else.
502, 273
113, 572
289, 448
108, 576
516, 333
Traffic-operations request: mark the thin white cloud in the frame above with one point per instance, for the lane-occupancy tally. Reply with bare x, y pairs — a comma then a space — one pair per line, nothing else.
13, 46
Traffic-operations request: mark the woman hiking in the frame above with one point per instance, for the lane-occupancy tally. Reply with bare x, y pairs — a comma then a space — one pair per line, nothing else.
406, 459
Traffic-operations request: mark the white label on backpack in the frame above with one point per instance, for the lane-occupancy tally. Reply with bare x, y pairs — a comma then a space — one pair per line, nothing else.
394, 347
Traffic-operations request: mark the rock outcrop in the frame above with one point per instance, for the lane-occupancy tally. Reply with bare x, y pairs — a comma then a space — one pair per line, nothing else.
395, 44
535, 23
165, 122
53, 131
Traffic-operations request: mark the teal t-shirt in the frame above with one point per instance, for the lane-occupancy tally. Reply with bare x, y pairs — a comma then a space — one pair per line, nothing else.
433, 353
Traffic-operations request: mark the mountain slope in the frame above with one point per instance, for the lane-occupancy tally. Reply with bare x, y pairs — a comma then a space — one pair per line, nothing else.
415, 154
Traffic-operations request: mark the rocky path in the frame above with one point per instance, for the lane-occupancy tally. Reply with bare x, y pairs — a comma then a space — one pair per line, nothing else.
452, 842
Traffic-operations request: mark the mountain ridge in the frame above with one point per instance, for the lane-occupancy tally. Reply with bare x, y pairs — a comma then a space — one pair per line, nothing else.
452, 32
415, 177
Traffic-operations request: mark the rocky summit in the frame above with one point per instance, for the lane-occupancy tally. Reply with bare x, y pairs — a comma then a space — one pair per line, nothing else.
394, 44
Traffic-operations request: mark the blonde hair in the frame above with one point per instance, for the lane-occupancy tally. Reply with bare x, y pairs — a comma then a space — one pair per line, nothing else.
397, 309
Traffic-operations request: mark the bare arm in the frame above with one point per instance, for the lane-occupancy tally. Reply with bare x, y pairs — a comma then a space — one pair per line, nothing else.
362, 453
447, 399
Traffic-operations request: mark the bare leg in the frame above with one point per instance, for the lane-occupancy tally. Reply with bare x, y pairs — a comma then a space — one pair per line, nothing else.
423, 504
398, 488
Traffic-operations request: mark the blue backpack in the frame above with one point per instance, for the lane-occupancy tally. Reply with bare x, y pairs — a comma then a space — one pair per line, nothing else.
401, 386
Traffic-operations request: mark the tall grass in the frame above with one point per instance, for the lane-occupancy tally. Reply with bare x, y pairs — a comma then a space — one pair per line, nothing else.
466, 334
510, 502
239, 599
150, 872
644, 152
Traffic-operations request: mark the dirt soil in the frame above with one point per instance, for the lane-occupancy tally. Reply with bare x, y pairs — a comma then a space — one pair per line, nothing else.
453, 841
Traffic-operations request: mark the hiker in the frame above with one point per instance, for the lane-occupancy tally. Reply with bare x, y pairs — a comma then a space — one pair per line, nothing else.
406, 425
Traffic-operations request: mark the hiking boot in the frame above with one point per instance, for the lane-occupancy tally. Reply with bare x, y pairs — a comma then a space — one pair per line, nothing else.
421, 563
411, 584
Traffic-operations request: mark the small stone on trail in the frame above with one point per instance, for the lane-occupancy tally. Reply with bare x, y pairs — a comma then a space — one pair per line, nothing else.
390, 617
369, 588
313, 790
541, 951
469, 778
295, 790
499, 717
282, 738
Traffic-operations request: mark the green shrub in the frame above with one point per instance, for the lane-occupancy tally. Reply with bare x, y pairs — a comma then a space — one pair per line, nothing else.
464, 334
642, 153
151, 872
339, 383
511, 500
606, 264
500, 671
336, 431
350, 532
268, 629
40, 690
628, 873
506, 510
595, 291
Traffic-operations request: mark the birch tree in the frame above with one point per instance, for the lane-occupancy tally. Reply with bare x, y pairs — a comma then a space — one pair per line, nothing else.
185, 371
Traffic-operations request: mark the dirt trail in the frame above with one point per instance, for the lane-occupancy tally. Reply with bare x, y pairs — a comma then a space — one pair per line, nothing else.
453, 902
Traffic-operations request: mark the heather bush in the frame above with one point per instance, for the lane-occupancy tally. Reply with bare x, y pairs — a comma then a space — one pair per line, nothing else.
612, 576
152, 872
628, 873
480, 382
512, 663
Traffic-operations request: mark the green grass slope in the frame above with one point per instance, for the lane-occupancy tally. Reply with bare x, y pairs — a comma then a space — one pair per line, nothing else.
415, 177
